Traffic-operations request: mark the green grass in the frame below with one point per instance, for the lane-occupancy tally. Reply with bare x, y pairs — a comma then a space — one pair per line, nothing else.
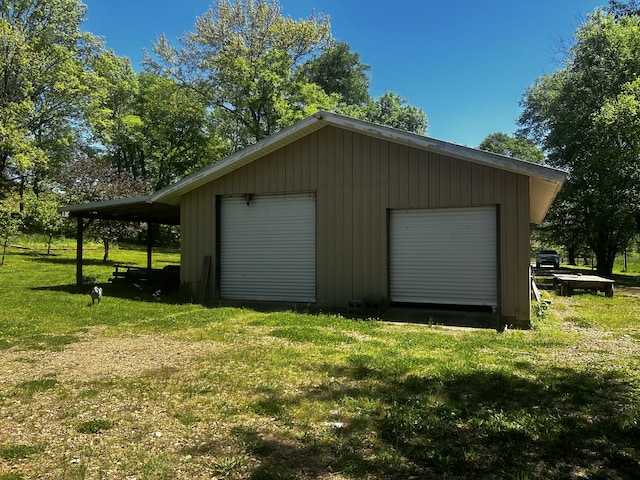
242, 394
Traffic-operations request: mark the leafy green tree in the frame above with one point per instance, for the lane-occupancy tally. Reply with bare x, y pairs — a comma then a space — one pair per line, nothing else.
585, 116
339, 71
43, 216
392, 110
512, 146
10, 223
622, 9
177, 132
44, 87
564, 225
242, 57
150, 126
110, 115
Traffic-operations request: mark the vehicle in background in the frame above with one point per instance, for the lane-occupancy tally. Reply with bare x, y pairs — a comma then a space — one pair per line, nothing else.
547, 257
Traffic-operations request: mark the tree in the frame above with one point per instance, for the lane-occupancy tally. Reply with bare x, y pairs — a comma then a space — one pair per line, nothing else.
621, 9
44, 86
585, 116
151, 127
86, 180
339, 71
177, 131
512, 146
43, 215
242, 57
10, 222
564, 225
392, 110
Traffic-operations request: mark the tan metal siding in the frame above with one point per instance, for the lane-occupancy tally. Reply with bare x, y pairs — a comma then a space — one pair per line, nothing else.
356, 179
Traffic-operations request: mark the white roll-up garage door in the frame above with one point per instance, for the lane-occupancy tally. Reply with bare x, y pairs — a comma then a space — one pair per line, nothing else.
444, 256
268, 248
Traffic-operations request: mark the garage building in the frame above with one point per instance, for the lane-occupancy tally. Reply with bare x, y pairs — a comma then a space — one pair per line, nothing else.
333, 209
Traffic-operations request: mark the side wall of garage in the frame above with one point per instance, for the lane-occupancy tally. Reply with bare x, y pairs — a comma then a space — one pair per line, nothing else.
357, 180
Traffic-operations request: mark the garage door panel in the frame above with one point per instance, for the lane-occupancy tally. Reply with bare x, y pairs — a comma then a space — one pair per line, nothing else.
444, 256
267, 248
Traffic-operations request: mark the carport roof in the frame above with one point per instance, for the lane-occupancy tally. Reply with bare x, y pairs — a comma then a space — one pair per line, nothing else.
137, 209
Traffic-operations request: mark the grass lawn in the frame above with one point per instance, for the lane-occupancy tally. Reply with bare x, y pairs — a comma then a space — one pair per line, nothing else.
147, 389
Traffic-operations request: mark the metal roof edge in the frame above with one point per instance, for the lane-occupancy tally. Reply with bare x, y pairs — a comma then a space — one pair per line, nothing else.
83, 207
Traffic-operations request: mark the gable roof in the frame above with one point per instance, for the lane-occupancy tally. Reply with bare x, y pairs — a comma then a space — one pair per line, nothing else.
545, 182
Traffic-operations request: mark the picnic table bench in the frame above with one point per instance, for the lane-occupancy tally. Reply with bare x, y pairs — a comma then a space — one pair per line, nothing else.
566, 283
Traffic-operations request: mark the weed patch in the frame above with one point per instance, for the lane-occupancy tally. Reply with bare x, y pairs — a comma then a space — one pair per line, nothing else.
94, 426
18, 450
30, 387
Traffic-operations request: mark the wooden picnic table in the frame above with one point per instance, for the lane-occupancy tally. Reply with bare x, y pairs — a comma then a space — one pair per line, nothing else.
569, 282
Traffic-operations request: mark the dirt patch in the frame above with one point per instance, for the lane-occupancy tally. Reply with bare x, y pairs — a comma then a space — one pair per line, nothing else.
97, 357
632, 291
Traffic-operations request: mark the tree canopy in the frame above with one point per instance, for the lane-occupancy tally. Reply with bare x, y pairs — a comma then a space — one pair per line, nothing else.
242, 57
339, 71
259, 71
585, 116
392, 110
512, 146
45, 83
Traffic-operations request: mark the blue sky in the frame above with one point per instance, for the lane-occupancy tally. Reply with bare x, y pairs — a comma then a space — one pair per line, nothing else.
465, 63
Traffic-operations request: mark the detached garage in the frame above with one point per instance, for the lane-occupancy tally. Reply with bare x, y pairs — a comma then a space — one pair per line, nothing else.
333, 209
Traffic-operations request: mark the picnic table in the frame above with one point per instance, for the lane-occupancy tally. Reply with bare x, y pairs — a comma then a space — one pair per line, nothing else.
167, 277
569, 282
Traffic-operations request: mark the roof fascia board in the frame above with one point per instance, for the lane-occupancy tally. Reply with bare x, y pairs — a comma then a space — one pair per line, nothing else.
120, 202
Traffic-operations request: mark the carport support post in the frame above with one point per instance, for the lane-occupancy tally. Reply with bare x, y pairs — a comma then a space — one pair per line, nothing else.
149, 247
79, 251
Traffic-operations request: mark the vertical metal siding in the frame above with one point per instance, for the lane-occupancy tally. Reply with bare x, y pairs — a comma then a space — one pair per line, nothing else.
325, 161
444, 256
268, 248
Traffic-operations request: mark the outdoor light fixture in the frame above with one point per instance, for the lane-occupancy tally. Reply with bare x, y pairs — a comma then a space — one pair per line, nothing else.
247, 198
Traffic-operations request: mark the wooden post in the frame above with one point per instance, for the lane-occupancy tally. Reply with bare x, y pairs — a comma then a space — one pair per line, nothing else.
149, 247
204, 279
79, 233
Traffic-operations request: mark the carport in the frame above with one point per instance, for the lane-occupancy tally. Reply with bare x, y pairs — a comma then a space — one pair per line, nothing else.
137, 209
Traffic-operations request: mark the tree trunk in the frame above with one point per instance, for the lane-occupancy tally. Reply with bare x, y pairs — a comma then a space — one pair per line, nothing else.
106, 249
604, 261
49, 244
21, 192
571, 253
4, 250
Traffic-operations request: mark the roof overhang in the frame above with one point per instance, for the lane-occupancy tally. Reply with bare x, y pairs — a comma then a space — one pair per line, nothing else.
545, 182
137, 209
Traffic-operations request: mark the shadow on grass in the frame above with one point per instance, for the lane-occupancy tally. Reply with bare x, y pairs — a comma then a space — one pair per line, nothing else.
141, 291
53, 258
559, 423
